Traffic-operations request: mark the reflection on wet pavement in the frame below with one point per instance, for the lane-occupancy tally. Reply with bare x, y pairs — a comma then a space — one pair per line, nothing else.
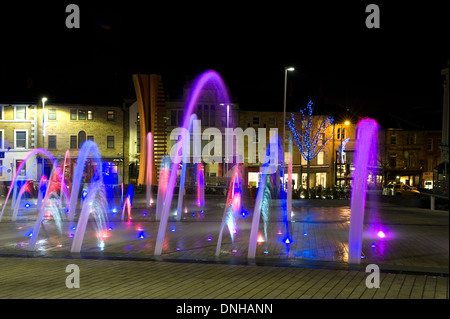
412, 237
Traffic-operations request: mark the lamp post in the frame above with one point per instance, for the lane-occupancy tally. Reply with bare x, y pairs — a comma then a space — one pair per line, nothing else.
44, 99
286, 69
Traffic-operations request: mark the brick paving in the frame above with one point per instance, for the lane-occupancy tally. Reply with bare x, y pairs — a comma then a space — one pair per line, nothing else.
26, 278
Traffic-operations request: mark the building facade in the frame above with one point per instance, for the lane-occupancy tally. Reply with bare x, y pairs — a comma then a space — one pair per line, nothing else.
18, 135
68, 126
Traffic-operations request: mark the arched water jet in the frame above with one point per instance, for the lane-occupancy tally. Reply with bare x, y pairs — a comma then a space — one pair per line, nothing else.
51, 192
38, 151
232, 207
207, 78
89, 148
271, 165
185, 150
200, 185
365, 156
96, 203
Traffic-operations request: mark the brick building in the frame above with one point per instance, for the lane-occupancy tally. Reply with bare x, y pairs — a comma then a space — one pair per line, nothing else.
18, 135
67, 126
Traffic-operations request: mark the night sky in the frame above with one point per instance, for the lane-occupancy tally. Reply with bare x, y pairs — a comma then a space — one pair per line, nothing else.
340, 64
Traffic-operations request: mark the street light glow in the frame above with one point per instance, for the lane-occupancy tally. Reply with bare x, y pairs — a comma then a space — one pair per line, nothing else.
290, 69
347, 122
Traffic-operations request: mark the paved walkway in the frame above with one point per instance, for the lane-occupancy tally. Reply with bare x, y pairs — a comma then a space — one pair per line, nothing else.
46, 278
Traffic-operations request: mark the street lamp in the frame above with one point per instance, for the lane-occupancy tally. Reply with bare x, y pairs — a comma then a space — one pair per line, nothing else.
286, 69
44, 99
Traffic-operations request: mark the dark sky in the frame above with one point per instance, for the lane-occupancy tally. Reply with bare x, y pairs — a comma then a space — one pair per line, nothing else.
339, 61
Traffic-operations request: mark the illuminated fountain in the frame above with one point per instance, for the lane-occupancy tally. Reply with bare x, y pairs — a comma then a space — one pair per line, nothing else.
365, 156
149, 172
274, 196
272, 165
209, 78
29, 157
128, 202
233, 206
186, 141
164, 172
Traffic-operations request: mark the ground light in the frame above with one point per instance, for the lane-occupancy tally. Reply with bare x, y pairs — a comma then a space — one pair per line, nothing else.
381, 234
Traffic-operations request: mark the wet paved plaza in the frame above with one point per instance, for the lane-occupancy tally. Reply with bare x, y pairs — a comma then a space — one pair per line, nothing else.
415, 239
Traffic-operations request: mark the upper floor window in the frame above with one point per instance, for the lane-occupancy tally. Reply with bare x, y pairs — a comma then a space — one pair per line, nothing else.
73, 115
52, 142
393, 139
52, 114
90, 115
20, 112
256, 121
1, 112
81, 115
20, 139
111, 115
430, 144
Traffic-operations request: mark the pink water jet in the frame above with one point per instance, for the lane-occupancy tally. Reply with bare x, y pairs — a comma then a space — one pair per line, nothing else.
365, 156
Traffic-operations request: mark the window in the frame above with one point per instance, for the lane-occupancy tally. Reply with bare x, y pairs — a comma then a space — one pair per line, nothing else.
110, 141
1, 112
205, 115
1, 168
256, 121
393, 139
180, 117
321, 179
320, 158
430, 144
338, 136
73, 141
20, 112
393, 160
303, 161
272, 121
82, 115
90, 115
1, 139
199, 112
212, 115
52, 141
90, 137
52, 114
81, 138
343, 133
73, 115
23, 171
20, 140
111, 116
173, 118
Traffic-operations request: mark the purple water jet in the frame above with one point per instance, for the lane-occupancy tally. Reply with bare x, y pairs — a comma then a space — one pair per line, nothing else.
365, 156
210, 78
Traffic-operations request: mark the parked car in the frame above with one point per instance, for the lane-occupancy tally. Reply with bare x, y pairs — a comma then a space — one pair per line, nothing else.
400, 189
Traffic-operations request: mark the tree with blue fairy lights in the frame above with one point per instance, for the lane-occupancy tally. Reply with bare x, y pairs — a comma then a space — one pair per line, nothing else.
309, 135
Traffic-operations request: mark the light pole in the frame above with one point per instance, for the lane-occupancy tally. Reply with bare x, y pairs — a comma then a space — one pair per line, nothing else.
44, 99
286, 69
